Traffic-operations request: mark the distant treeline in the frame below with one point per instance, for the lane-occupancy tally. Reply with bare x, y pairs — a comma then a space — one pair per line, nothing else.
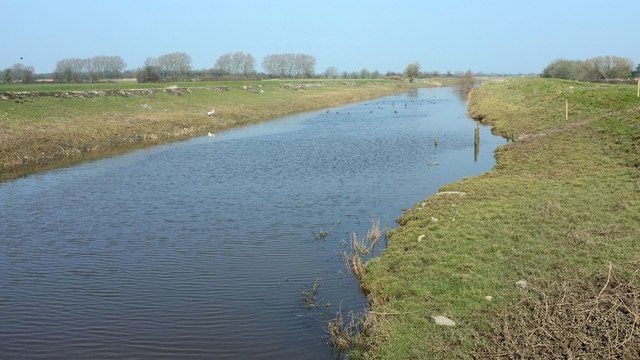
238, 65
177, 66
601, 68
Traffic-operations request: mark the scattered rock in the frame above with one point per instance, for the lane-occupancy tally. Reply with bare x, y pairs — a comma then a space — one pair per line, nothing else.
421, 237
461, 193
443, 320
522, 284
488, 298
173, 90
434, 219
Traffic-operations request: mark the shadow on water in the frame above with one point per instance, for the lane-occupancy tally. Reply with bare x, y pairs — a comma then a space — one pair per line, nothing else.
222, 247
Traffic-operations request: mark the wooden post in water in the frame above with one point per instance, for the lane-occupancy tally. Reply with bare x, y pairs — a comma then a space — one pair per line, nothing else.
476, 141
566, 109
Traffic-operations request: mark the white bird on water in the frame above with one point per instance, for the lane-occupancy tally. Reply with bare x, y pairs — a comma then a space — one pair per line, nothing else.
211, 134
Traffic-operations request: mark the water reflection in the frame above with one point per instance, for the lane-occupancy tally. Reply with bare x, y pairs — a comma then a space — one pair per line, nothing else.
476, 141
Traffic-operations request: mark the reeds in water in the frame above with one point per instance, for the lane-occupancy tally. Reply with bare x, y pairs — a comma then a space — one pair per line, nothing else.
343, 331
362, 246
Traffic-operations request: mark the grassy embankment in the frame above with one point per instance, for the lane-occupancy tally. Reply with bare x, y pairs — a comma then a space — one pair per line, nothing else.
42, 132
560, 210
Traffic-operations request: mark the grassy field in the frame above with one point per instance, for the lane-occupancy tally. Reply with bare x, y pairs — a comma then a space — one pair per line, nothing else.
40, 132
539, 257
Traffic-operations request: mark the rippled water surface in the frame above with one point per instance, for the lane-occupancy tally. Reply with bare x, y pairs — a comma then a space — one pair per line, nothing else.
202, 248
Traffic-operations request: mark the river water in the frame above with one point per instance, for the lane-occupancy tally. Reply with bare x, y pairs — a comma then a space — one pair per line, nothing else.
203, 248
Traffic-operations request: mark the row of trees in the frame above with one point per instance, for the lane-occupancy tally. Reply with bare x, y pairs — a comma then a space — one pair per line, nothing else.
93, 69
18, 73
290, 65
236, 64
177, 65
594, 69
169, 65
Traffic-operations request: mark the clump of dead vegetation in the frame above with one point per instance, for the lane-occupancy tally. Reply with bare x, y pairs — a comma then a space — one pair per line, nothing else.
596, 321
310, 297
362, 246
343, 331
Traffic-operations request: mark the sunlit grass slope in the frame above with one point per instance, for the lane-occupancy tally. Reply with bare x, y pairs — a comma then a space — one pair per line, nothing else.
561, 206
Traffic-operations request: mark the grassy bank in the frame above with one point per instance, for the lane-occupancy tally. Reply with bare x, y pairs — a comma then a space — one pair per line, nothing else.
77, 122
534, 259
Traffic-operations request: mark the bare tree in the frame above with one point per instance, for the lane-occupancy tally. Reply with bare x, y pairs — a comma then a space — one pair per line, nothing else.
171, 65
289, 65
105, 67
21, 73
331, 72
6, 76
612, 67
94, 69
150, 71
69, 70
597, 68
224, 64
465, 84
236, 64
412, 71
248, 65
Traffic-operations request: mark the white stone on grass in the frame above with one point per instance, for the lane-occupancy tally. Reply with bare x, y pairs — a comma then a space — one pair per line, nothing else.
443, 320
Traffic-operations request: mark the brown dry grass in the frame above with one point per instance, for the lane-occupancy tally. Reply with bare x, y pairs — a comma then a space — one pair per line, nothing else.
601, 321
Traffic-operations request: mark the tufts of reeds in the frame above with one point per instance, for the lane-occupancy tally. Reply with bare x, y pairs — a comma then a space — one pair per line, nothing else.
322, 234
374, 234
361, 246
310, 297
355, 265
344, 331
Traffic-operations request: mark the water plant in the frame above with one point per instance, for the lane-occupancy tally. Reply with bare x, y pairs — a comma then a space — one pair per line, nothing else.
344, 330
310, 297
374, 234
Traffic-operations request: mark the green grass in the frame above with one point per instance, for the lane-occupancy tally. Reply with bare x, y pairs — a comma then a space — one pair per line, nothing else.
41, 132
562, 202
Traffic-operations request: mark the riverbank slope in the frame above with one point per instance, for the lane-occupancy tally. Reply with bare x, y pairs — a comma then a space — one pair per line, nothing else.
47, 126
537, 258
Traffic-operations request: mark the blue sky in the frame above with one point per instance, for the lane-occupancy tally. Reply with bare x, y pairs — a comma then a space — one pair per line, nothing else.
491, 36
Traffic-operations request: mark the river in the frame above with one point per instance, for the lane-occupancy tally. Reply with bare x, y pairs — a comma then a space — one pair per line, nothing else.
203, 248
